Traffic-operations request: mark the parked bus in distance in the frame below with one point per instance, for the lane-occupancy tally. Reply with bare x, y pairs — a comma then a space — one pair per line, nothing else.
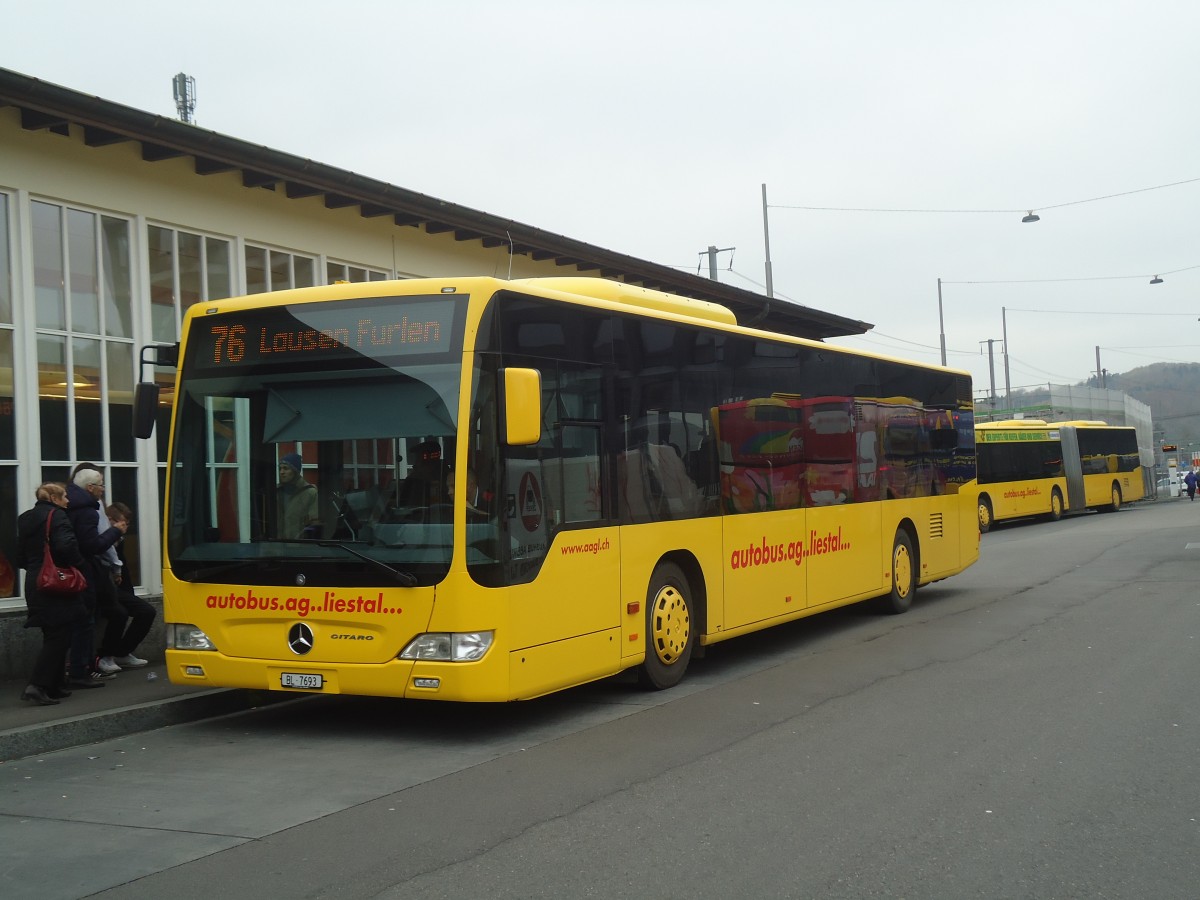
1104, 465
1029, 467
485, 490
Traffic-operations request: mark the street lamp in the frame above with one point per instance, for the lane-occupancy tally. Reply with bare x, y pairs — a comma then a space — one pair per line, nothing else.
1030, 217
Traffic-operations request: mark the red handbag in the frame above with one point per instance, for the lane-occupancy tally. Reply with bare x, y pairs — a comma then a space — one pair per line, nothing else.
55, 578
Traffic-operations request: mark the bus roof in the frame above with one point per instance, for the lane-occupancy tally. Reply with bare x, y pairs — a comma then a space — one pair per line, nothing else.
632, 295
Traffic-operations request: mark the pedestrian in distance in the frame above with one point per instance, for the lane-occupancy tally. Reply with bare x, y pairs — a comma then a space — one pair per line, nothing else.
1189, 482
128, 617
59, 616
83, 507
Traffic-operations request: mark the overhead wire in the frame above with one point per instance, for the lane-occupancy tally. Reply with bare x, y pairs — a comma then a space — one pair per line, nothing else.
1156, 187
1101, 312
1015, 362
869, 338
1086, 278
1011, 360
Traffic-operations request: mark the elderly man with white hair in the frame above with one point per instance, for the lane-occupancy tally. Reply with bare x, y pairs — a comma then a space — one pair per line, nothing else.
84, 495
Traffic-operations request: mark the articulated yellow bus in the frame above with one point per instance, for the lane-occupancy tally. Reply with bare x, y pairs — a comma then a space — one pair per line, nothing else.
484, 490
1029, 467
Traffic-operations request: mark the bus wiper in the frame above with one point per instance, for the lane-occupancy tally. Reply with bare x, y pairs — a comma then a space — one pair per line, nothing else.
406, 579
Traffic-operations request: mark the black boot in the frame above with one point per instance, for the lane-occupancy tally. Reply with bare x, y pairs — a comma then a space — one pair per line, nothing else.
35, 694
58, 693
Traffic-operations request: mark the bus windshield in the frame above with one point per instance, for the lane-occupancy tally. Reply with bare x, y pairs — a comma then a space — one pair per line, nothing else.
297, 460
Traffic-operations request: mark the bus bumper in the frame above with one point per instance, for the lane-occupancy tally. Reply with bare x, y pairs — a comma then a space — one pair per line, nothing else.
419, 680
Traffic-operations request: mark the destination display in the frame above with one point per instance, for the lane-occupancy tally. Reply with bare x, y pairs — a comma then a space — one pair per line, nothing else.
308, 333
1008, 437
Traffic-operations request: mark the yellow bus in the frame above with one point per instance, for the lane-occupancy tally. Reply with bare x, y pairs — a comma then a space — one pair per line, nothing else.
1104, 465
484, 490
1030, 467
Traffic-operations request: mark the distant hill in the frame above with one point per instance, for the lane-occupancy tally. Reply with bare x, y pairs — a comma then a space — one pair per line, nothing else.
1171, 390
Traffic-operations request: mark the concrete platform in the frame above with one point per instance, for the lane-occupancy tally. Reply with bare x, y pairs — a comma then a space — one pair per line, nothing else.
135, 700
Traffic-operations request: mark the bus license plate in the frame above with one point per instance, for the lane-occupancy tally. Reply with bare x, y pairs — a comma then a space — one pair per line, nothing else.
296, 680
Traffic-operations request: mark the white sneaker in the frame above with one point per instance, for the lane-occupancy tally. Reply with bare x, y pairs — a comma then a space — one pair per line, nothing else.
131, 662
107, 665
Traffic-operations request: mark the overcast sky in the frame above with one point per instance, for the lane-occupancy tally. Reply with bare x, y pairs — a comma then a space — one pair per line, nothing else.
649, 127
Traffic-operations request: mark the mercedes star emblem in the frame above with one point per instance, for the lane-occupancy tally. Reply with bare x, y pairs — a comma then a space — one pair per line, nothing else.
300, 638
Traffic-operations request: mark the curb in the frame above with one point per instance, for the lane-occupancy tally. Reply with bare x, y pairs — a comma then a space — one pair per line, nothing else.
46, 737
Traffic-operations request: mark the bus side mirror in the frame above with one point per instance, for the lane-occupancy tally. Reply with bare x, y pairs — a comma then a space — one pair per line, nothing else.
145, 393
145, 408
522, 406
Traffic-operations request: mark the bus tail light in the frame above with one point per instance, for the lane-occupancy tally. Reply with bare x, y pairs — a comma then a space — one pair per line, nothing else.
442, 646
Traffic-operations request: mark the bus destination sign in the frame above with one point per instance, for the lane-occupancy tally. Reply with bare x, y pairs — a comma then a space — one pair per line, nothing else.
324, 332
1008, 437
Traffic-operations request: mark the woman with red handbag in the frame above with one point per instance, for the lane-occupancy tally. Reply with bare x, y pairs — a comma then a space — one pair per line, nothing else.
58, 614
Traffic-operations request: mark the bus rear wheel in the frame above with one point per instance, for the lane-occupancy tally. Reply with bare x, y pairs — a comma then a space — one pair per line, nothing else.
1056, 505
904, 576
1116, 499
670, 636
985, 514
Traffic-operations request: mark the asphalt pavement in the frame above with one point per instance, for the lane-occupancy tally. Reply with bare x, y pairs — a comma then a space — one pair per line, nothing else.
134, 700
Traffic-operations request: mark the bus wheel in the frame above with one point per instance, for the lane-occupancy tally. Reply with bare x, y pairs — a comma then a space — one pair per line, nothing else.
669, 634
1116, 499
1056, 505
904, 576
985, 514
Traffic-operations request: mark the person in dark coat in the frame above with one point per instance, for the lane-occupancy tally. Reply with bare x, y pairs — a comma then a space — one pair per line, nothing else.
83, 507
58, 615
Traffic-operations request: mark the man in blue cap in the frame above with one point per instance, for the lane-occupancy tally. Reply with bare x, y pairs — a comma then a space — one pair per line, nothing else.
297, 500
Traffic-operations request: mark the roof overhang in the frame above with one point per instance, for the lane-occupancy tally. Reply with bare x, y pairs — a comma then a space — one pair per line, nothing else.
50, 107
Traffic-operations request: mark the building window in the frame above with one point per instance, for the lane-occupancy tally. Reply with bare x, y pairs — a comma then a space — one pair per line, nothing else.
84, 345
336, 271
10, 503
6, 287
185, 268
277, 270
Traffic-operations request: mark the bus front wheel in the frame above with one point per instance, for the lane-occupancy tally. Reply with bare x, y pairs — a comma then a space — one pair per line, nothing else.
670, 635
985, 514
1056, 505
1116, 499
904, 576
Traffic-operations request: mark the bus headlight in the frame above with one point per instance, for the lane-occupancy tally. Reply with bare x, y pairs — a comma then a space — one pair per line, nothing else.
442, 646
181, 636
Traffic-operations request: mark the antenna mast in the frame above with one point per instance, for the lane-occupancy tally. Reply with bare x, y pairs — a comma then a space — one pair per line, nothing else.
185, 96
